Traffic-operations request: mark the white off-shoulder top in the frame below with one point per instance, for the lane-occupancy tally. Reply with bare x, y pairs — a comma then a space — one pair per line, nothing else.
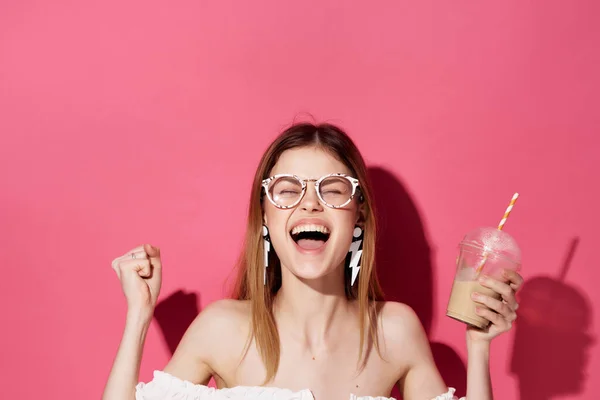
167, 387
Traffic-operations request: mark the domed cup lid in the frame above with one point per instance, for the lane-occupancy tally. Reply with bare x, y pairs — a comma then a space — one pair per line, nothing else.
494, 242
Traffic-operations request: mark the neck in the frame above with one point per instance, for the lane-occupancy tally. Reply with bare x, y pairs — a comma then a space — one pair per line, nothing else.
310, 309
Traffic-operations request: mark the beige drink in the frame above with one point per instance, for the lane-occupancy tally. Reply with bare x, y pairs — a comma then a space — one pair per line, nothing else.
462, 307
483, 252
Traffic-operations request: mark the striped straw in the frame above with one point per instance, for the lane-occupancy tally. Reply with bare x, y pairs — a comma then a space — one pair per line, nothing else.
508, 210
500, 226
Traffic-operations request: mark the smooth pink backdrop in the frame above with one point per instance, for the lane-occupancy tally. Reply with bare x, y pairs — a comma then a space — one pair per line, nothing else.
125, 122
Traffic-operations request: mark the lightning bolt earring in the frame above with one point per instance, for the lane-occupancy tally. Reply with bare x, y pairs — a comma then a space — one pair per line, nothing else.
356, 252
266, 248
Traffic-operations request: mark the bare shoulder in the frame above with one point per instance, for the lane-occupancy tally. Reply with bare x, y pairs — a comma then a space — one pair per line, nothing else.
399, 318
401, 331
407, 347
217, 335
222, 314
221, 321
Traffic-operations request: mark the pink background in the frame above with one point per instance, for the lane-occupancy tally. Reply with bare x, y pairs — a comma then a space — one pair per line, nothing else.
125, 122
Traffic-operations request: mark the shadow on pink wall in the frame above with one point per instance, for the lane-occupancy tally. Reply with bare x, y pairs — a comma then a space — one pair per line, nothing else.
405, 268
552, 336
174, 314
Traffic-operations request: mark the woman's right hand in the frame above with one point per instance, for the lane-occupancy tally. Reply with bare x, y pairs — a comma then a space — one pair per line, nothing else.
140, 273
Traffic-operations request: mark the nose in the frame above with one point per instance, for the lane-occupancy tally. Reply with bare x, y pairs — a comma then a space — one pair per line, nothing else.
310, 201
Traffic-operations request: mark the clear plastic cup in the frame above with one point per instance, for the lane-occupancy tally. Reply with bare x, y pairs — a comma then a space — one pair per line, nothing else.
483, 251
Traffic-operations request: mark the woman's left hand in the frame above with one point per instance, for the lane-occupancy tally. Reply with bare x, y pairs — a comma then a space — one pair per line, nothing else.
501, 313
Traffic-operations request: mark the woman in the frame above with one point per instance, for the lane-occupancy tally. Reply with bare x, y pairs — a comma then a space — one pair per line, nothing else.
308, 320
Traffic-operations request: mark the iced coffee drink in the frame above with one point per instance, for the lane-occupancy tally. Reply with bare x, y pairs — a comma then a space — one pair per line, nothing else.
484, 251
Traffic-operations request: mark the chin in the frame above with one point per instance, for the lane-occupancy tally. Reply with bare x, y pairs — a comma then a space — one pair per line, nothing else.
310, 270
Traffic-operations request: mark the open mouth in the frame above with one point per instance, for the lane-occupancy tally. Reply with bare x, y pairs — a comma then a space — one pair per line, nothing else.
310, 238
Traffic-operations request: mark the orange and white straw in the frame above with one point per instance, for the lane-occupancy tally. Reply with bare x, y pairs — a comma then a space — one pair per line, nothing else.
508, 210
500, 226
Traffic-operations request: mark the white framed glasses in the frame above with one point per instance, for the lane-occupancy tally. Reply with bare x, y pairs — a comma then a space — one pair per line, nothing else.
287, 190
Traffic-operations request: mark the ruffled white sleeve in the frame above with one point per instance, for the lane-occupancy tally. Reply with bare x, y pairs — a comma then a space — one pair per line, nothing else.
165, 386
449, 395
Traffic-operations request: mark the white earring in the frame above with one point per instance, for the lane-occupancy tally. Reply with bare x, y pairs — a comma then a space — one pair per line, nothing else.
266, 248
356, 252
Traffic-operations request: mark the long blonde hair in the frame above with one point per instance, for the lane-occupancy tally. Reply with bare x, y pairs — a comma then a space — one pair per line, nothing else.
249, 283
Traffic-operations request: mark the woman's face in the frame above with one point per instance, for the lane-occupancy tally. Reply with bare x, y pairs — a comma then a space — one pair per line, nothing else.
326, 232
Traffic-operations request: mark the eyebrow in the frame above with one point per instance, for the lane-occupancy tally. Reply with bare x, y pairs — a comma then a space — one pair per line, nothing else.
316, 178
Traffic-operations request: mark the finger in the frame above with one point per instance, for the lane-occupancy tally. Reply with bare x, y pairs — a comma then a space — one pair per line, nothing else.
154, 255
496, 305
135, 250
133, 255
503, 289
152, 251
138, 255
511, 300
495, 318
115, 267
515, 280
141, 267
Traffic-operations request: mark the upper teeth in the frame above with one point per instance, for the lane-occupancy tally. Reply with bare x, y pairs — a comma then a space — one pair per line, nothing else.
310, 228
